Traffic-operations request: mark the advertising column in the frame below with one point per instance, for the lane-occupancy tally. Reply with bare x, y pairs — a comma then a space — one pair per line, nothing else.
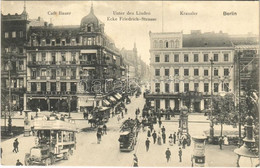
198, 157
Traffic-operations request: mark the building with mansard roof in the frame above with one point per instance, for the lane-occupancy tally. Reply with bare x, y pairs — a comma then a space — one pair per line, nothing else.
72, 68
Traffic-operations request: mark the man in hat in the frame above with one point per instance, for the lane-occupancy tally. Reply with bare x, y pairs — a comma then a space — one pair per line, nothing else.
147, 144
180, 154
168, 154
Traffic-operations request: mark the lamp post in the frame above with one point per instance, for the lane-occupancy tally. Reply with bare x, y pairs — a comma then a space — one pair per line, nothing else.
10, 98
211, 102
239, 111
69, 101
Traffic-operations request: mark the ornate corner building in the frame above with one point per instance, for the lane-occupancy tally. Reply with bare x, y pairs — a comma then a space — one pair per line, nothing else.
61, 68
71, 67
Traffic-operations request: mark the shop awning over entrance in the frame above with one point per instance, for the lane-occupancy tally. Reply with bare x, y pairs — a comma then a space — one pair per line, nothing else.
111, 98
117, 97
106, 102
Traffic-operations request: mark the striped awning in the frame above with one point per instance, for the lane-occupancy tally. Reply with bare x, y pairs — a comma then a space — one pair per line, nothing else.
112, 99
106, 102
119, 95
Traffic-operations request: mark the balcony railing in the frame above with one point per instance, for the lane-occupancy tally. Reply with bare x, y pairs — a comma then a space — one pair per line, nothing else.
53, 92
43, 78
53, 77
88, 62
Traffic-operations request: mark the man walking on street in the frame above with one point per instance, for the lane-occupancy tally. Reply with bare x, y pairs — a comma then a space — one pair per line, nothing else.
104, 129
99, 134
168, 154
125, 110
180, 153
220, 141
15, 145
160, 123
164, 137
147, 144
174, 137
163, 129
154, 135
122, 114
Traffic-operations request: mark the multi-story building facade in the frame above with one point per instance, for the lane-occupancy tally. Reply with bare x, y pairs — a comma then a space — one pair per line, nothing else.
71, 67
136, 67
13, 59
181, 70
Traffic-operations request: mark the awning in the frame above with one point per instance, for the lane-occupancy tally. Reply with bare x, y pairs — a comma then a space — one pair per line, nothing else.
88, 51
112, 99
106, 102
89, 68
119, 95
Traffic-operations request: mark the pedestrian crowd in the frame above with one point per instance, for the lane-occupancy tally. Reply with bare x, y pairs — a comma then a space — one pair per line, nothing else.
159, 138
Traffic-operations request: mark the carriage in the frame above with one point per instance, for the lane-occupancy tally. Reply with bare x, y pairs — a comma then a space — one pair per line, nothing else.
100, 116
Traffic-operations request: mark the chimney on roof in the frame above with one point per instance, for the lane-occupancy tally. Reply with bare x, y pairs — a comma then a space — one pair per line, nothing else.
195, 31
39, 18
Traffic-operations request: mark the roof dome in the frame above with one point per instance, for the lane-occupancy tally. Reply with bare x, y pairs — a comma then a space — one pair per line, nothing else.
90, 19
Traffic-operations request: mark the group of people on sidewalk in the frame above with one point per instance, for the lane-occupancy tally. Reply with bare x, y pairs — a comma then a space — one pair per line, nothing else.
160, 138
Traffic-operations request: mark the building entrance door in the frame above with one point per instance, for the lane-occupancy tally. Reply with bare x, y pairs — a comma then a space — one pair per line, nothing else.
196, 106
177, 104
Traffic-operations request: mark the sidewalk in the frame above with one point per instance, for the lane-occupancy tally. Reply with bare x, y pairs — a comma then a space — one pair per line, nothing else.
194, 117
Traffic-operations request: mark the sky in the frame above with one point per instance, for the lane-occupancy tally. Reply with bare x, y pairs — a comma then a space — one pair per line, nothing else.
124, 33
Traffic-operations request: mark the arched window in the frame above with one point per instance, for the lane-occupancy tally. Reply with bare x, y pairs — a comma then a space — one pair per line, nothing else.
166, 44
161, 44
155, 44
89, 28
177, 43
171, 44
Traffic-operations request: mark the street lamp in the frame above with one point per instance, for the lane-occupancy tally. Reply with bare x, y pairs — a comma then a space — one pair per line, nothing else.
10, 98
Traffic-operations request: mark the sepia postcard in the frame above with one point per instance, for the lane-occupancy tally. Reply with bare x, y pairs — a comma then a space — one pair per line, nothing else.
130, 83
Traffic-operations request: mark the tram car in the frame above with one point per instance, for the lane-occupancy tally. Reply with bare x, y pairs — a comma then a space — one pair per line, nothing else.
128, 135
55, 140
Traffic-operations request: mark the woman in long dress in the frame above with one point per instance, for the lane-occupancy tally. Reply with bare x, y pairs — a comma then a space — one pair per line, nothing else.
159, 139
171, 140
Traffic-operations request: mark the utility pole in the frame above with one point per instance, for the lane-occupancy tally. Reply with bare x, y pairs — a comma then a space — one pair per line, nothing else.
211, 102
